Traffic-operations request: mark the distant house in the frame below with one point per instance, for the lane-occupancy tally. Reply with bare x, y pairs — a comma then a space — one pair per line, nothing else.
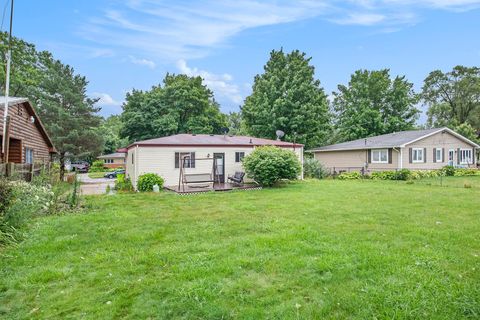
114, 160
28, 139
416, 149
164, 155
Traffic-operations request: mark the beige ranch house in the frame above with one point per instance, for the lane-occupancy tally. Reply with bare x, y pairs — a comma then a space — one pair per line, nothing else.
114, 160
163, 156
414, 150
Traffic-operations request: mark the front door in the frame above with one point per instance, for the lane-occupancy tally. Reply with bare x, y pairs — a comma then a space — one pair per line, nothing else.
451, 155
220, 173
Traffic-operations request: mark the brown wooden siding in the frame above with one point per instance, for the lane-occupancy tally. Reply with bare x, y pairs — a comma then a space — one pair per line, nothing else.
21, 128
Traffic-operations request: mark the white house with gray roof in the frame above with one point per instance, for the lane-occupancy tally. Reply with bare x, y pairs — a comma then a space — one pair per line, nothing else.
415, 150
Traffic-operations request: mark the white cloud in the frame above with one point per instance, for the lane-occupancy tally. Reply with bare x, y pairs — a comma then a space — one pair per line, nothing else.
220, 84
105, 99
364, 19
142, 62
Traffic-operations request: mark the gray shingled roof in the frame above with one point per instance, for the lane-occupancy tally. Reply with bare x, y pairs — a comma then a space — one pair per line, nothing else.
113, 155
390, 140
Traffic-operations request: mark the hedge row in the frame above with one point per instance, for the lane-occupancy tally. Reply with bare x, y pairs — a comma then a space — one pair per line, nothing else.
406, 174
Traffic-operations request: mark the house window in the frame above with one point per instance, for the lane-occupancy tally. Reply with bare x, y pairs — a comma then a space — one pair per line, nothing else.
466, 156
380, 156
239, 156
438, 155
417, 155
189, 159
133, 156
108, 161
28, 155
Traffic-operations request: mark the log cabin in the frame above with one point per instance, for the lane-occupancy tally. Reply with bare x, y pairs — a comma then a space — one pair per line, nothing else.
29, 142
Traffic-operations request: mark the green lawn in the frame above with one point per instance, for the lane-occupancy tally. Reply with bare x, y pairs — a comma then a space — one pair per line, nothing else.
311, 250
96, 175
454, 182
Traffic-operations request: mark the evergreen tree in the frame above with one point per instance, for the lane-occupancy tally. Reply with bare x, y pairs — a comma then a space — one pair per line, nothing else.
287, 97
69, 115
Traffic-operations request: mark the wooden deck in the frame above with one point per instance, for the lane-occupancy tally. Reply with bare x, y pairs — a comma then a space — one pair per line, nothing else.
207, 187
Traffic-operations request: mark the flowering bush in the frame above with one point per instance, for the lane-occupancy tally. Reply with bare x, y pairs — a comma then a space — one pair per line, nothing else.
19, 202
312, 168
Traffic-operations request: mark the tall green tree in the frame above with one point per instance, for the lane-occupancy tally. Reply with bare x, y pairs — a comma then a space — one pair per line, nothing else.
182, 105
287, 97
236, 125
27, 67
110, 130
68, 113
374, 104
453, 97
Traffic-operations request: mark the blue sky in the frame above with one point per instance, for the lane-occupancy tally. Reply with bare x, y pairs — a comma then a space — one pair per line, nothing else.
120, 45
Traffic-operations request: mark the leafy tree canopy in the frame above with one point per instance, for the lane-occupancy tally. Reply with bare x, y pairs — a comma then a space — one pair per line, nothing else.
287, 97
110, 130
182, 104
374, 104
453, 97
59, 96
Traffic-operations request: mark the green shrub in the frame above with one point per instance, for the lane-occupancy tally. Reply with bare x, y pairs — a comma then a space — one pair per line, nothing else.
349, 176
123, 184
460, 172
403, 174
148, 180
448, 171
97, 166
312, 168
268, 165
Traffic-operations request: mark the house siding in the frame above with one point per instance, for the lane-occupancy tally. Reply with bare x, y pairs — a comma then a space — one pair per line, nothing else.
161, 160
117, 163
444, 140
28, 134
355, 159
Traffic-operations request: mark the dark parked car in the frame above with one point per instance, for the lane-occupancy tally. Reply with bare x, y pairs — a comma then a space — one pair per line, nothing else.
113, 174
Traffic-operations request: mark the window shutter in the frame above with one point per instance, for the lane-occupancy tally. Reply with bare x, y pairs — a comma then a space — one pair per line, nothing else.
473, 156
458, 155
369, 155
410, 155
237, 157
192, 159
443, 154
424, 154
434, 155
177, 160
390, 155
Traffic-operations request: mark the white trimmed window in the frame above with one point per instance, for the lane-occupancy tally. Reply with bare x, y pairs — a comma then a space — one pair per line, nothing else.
438, 155
380, 156
417, 155
28, 155
466, 156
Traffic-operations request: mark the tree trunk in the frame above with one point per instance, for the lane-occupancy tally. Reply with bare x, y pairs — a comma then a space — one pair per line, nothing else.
62, 165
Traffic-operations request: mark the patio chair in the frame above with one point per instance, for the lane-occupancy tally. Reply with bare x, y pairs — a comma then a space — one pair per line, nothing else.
237, 178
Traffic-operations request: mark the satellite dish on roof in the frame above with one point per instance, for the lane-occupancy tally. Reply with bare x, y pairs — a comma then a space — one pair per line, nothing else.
279, 134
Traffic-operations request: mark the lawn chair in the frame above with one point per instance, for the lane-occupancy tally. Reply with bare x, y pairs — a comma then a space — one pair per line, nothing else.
237, 178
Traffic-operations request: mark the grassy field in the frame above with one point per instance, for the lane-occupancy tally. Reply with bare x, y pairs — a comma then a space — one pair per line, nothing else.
311, 250
96, 175
452, 182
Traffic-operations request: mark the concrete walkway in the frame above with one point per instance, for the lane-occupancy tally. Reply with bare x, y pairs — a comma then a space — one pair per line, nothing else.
90, 186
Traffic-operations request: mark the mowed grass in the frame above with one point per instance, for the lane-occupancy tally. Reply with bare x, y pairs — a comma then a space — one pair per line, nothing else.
310, 250
96, 175
454, 182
